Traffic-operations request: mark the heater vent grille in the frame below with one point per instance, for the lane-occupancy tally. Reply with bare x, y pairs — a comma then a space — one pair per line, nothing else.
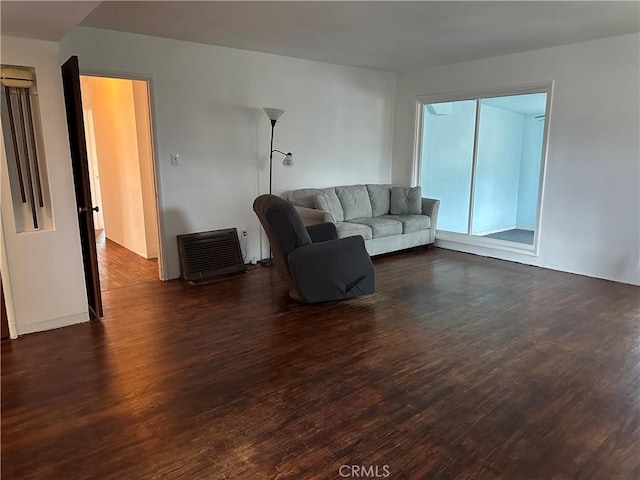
207, 255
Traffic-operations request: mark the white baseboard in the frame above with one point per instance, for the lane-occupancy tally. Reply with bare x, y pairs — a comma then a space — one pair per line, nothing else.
487, 247
514, 255
54, 323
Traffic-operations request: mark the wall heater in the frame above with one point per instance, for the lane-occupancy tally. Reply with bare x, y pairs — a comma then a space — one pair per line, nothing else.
209, 256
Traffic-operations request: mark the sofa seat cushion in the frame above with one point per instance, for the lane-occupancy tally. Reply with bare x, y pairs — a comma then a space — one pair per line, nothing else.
355, 201
411, 223
380, 227
347, 229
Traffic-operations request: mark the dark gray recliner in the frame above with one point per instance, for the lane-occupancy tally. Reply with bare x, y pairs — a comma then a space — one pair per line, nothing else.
315, 263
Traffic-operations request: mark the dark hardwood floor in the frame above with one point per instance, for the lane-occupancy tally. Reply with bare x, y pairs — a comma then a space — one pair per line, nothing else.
120, 267
459, 367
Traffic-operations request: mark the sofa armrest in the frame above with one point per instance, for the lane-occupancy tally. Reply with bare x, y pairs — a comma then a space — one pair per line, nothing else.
332, 270
312, 216
430, 207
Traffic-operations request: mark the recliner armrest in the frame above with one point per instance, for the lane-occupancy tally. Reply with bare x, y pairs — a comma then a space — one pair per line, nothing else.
332, 270
430, 207
322, 232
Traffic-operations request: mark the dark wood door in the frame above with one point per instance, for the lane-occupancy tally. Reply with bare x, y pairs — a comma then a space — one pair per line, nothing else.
80, 167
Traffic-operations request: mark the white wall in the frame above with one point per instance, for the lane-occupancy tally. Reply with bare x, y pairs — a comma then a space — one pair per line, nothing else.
590, 223
43, 269
207, 107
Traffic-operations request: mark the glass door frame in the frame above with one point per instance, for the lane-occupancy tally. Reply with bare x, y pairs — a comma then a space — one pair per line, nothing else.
478, 96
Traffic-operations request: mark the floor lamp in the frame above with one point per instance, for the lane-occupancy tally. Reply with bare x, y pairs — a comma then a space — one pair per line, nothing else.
274, 114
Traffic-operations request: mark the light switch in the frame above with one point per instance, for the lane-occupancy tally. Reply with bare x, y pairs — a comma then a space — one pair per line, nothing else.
175, 159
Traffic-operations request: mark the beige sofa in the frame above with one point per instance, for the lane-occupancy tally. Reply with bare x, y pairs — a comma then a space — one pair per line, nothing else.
374, 211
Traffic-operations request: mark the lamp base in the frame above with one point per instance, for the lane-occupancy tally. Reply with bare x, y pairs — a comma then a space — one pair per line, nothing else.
267, 262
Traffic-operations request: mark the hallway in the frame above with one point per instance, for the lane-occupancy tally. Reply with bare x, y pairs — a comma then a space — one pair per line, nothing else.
120, 268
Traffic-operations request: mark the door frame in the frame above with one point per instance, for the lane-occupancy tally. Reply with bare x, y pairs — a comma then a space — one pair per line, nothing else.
6, 278
162, 267
94, 169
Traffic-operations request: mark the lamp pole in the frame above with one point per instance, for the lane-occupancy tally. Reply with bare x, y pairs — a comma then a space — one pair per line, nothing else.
274, 114
273, 126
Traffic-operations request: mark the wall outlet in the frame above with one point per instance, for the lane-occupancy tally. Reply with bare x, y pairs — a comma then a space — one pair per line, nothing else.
244, 234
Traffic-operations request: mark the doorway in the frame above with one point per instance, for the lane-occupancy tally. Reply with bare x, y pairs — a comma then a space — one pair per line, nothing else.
117, 128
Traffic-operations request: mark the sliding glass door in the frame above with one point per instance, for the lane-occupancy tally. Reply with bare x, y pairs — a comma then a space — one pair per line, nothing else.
482, 158
447, 160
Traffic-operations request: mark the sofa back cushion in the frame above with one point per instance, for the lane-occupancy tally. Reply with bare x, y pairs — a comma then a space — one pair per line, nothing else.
329, 203
379, 196
305, 197
406, 201
355, 201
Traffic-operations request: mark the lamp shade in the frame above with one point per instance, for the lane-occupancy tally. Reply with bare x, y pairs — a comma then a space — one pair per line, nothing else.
288, 160
273, 113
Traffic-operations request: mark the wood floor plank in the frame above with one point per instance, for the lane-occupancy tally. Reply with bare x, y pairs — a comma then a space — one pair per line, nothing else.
458, 367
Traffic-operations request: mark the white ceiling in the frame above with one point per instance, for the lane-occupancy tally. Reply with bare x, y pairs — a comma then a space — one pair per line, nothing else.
384, 35
49, 21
